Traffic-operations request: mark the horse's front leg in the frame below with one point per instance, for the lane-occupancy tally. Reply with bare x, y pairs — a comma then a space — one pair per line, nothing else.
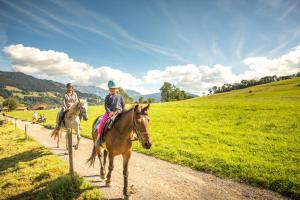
58, 139
78, 137
67, 140
104, 161
102, 172
110, 168
126, 158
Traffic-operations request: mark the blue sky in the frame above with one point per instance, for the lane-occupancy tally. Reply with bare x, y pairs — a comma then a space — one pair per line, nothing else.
151, 39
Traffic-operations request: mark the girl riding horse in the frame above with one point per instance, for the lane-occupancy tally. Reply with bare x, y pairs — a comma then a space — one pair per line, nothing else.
69, 99
114, 104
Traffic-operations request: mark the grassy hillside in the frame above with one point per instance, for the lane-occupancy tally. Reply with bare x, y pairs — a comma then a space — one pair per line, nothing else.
29, 171
250, 137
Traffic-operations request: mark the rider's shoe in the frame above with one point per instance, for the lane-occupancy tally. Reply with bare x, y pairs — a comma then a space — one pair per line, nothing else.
98, 142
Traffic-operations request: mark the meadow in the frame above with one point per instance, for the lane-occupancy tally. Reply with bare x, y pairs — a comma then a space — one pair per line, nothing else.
30, 171
251, 137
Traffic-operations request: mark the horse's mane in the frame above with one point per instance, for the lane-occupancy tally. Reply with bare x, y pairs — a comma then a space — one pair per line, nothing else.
73, 106
121, 114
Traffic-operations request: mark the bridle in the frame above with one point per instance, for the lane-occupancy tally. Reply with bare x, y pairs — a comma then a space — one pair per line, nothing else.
138, 132
82, 111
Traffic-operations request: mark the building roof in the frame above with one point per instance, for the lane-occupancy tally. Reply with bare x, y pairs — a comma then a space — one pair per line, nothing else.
42, 107
21, 108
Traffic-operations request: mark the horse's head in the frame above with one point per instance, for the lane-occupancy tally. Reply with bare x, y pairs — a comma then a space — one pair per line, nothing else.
141, 122
83, 109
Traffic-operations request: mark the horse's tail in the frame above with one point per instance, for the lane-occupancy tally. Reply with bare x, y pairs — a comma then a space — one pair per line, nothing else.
55, 133
92, 158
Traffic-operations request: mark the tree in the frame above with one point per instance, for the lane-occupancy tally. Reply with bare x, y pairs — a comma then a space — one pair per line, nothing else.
141, 99
166, 91
151, 100
170, 92
127, 98
11, 103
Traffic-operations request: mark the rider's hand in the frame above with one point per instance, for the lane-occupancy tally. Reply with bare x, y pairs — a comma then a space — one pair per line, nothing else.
111, 114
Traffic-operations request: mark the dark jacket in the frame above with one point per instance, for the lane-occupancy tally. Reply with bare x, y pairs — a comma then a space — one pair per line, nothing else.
114, 103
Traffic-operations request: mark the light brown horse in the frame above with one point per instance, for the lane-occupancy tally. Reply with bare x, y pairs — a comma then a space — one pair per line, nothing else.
118, 141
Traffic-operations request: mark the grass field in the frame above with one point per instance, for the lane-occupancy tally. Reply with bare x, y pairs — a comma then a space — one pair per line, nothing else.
250, 137
29, 171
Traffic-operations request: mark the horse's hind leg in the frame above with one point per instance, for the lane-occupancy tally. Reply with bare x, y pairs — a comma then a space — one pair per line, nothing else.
58, 139
110, 168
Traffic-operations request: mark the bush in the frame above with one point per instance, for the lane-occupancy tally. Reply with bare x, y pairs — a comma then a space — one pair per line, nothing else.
11, 103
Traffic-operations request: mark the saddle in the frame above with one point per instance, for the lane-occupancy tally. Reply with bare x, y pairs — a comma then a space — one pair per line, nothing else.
108, 125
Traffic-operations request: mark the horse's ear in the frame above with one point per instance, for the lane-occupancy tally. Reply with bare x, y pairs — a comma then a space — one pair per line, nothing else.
145, 109
136, 108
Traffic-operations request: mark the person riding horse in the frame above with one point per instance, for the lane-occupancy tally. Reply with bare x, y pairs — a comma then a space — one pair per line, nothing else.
114, 104
69, 99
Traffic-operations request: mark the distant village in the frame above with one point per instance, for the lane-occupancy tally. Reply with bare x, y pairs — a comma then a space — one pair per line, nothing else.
23, 107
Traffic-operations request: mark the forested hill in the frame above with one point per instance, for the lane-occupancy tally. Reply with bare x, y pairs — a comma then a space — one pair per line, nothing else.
27, 83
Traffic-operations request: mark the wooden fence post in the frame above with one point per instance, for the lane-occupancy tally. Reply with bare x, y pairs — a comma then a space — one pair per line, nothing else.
71, 168
25, 131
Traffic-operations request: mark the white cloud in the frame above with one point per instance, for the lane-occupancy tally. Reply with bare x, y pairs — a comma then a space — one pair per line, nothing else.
198, 79
284, 65
192, 78
58, 65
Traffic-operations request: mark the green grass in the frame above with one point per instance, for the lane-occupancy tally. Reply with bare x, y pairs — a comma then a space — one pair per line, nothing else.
29, 171
249, 137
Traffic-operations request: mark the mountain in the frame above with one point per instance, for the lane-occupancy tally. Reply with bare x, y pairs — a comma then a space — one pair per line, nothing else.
133, 94
92, 90
155, 96
29, 83
102, 92
33, 90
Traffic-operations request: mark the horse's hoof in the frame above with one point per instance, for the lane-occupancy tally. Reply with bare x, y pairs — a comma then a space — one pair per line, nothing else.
108, 184
102, 176
127, 197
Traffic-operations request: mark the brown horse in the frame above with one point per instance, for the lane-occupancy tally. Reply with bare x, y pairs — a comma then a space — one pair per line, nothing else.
118, 141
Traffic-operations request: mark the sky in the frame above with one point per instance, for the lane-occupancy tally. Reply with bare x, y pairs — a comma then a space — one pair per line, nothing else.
143, 43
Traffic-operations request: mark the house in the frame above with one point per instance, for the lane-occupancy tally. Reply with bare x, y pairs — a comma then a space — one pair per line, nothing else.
5, 109
21, 108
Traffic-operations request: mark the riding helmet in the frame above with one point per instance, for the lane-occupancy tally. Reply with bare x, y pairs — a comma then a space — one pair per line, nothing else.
112, 84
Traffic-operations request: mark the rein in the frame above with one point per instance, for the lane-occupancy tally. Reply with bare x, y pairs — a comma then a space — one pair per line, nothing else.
82, 112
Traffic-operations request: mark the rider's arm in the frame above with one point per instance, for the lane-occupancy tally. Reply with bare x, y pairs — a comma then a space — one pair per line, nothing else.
122, 102
64, 104
106, 104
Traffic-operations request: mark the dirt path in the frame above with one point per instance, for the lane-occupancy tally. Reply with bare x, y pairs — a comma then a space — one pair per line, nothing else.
152, 178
